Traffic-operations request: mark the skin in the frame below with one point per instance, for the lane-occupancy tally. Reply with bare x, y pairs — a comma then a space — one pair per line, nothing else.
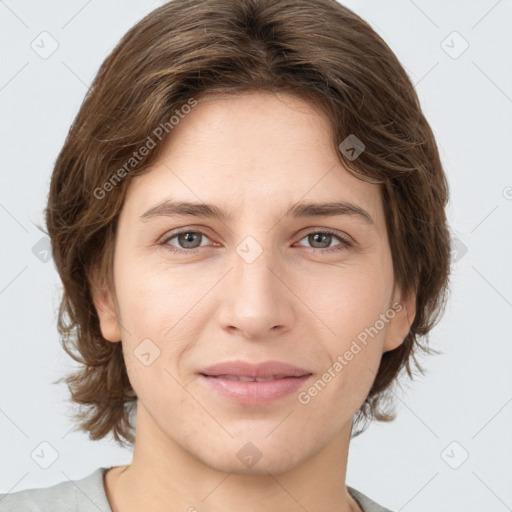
253, 155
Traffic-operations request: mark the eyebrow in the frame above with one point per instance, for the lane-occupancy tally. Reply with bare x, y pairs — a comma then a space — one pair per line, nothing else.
298, 210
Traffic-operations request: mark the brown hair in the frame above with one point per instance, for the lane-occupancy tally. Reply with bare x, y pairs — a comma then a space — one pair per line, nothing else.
186, 49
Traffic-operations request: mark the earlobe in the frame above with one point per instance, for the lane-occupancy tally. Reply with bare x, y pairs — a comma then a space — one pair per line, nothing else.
105, 309
400, 324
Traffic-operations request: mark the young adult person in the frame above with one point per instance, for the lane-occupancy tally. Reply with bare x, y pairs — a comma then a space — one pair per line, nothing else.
248, 220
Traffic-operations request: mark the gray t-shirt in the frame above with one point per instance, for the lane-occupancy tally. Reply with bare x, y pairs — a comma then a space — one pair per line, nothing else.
88, 495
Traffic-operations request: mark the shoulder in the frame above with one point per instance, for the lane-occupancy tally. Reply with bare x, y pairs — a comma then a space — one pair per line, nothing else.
366, 504
84, 495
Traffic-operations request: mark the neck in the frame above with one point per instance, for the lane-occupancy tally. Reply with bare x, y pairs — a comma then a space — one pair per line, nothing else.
163, 472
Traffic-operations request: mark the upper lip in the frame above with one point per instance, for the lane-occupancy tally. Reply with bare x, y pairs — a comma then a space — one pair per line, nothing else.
264, 369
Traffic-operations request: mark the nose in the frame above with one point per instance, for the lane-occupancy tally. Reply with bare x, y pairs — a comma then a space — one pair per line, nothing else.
256, 301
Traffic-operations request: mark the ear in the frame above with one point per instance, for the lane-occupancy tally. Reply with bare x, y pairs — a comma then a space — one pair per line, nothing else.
105, 308
400, 325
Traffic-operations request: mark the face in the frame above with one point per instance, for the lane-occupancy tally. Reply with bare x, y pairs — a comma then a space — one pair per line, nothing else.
255, 285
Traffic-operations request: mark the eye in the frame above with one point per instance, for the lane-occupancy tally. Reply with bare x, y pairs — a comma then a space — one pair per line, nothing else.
186, 239
324, 238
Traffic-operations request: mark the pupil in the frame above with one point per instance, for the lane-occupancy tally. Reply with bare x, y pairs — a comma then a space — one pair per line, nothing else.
316, 235
187, 240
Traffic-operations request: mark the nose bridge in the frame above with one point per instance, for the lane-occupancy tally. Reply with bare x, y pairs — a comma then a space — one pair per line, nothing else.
254, 269
255, 252
255, 301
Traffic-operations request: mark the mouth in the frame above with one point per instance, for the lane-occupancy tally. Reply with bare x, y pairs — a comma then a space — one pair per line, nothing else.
245, 378
265, 370
254, 384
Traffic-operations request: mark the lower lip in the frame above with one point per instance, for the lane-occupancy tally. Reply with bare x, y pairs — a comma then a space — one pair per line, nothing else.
254, 392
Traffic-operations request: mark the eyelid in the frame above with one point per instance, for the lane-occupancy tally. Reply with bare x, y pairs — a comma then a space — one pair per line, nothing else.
330, 231
346, 241
178, 231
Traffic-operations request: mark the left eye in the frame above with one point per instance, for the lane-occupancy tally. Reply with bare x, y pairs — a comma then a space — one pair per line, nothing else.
188, 240
321, 237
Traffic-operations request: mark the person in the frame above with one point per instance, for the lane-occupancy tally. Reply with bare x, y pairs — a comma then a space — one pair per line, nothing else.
248, 219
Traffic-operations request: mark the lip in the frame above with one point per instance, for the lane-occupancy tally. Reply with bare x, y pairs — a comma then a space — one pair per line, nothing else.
291, 378
246, 369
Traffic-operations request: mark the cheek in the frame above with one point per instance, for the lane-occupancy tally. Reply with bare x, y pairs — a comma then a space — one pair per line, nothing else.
150, 298
351, 299
351, 306
159, 312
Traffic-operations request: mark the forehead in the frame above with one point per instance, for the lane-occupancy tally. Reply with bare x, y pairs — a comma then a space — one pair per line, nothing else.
251, 153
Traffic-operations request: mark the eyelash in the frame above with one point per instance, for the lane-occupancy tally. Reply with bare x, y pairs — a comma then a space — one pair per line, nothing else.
345, 243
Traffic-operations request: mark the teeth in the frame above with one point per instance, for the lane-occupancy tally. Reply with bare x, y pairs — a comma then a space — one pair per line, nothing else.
250, 379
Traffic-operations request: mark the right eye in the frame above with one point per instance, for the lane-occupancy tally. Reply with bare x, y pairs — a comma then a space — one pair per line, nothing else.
186, 238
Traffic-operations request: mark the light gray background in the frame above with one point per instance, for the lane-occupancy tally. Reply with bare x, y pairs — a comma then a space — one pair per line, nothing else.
467, 395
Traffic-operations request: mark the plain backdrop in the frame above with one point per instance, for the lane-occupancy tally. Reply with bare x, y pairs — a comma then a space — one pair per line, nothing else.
451, 445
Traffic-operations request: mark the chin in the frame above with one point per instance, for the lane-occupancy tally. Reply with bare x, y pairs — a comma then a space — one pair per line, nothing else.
253, 458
